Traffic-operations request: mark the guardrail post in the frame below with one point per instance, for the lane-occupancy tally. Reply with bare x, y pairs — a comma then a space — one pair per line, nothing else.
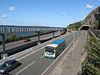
4, 54
39, 42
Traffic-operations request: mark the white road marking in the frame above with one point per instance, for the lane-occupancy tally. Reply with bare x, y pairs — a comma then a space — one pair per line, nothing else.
43, 55
25, 67
56, 58
31, 53
31, 62
35, 52
34, 61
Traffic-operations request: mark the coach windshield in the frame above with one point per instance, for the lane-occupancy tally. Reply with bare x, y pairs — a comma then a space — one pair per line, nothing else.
49, 50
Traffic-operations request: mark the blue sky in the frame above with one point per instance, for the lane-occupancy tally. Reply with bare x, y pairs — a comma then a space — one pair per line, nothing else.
58, 13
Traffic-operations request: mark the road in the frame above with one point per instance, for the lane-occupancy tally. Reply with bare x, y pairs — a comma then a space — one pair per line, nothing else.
21, 42
69, 62
71, 67
34, 63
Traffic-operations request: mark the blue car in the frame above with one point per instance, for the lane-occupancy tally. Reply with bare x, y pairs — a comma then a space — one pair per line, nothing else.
8, 66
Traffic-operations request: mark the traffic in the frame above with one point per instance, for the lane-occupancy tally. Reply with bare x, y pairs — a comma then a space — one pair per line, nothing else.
51, 50
32, 61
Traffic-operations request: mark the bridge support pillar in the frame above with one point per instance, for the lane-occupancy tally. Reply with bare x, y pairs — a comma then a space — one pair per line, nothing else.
4, 54
39, 42
61, 32
53, 36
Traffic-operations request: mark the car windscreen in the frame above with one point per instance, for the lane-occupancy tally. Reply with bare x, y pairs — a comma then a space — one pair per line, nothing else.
6, 64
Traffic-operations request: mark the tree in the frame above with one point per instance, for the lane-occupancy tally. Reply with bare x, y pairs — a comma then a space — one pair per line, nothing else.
96, 25
11, 37
75, 26
93, 65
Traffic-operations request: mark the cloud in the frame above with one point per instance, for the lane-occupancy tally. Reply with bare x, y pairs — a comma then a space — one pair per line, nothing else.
12, 8
89, 6
63, 14
4, 16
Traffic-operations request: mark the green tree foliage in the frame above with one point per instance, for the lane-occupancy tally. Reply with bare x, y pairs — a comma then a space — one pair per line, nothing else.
93, 65
14, 37
11, 37
75, 26
96, 25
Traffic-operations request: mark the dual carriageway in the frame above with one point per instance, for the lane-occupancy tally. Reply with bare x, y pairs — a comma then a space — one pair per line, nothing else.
33, 60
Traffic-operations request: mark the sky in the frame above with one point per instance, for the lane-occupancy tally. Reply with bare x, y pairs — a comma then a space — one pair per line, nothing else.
54, 13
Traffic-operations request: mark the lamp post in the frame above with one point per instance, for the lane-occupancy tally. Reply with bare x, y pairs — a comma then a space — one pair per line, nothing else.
73, 32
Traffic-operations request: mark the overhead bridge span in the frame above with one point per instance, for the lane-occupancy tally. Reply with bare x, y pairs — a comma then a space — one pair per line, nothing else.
10, 29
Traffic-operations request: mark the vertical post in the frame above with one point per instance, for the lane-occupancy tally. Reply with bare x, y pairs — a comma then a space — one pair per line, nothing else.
3, 55
53, 35
38, 38
61, 32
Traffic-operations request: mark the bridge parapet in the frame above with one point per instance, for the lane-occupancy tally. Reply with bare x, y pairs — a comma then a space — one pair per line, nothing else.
5, 29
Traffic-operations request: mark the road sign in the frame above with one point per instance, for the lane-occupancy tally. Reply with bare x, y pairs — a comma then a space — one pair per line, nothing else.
83, 32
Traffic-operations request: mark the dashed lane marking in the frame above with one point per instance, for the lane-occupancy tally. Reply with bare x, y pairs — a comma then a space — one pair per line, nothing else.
30, 53
35, 51
25, 67
57, 58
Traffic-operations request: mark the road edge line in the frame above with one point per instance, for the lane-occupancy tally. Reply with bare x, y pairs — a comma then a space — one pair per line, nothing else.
25, 67
57, 58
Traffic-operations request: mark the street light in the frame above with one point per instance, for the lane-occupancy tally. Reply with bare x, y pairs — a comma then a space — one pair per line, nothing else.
64, 14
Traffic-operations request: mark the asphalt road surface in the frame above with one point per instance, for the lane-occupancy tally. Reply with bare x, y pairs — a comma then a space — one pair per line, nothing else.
21, 42
34, 63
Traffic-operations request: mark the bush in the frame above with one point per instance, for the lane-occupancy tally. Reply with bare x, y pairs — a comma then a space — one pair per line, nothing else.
14, 37
75, 26
93, 65
11, 37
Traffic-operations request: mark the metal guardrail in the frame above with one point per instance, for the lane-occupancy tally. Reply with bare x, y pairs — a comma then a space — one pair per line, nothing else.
6, 29
84, 66
87, 58
92, 34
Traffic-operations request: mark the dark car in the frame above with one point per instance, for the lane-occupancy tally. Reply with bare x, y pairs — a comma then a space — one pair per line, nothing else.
26, 40
9, 65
